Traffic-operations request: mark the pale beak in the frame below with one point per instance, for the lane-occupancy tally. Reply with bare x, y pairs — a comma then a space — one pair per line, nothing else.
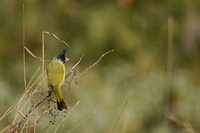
66, 59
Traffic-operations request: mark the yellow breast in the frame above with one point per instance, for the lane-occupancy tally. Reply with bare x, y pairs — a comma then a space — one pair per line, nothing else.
56, 73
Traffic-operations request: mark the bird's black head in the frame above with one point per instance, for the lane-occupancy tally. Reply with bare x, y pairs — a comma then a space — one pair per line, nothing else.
61, 56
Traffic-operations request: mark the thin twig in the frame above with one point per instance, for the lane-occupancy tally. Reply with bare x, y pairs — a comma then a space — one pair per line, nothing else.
77, 62
94, 64
176, 119
125, 122
72, 69
18, 105
6, 129
35, 122
169, 68
43, 52
23, 41
118, 118
31, 110
19, 112
31, 53
56, 37
7, 112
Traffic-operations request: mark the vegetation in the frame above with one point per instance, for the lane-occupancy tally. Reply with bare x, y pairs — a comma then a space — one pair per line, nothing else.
150, 83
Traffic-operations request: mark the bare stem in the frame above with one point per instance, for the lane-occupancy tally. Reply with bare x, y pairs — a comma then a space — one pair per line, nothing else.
31, 53
169, 68
43, 33
72, 69
94, 64
56, 37
31, 110
176, 119
23, 41
118, 118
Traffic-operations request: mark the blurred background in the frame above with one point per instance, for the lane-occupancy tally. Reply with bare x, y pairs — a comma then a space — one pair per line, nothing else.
136, 71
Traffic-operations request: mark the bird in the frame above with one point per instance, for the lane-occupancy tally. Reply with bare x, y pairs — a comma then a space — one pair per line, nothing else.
56, 78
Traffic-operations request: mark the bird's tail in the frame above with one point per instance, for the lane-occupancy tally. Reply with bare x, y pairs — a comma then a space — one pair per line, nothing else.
60, 100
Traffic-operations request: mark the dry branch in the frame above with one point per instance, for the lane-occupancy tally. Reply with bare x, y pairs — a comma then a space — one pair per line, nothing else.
94, 64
